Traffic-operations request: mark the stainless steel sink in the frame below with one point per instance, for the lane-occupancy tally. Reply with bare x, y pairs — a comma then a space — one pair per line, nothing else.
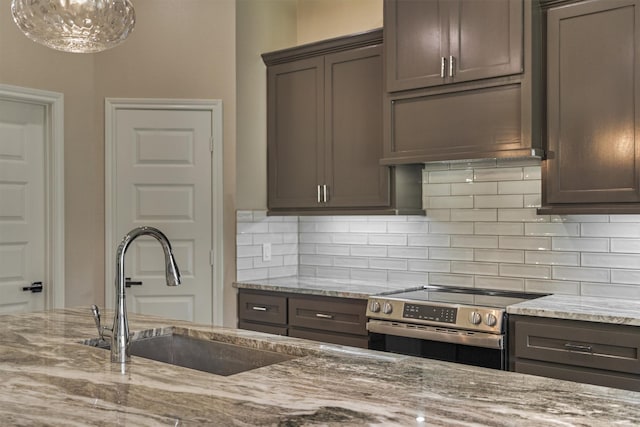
214, 357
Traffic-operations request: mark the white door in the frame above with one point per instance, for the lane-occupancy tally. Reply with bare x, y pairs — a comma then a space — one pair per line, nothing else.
22, 205
163, 178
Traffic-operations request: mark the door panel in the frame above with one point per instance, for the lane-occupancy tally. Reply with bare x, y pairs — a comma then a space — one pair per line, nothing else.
416, 38
164, 180
296, 133
353, 110
486, 38
22, 208
593, 62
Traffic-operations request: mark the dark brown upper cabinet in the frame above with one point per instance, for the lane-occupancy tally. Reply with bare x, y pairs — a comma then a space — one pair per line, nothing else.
435, 42
324, 137
593, 108
461, 81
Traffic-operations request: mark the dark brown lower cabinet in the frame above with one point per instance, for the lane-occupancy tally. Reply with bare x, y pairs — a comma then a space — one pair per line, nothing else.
586, 352
328, 319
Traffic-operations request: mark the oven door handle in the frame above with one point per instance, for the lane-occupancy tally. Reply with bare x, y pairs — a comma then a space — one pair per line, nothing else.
475, 339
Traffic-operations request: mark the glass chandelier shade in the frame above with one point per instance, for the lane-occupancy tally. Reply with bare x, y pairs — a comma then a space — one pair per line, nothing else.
80, 26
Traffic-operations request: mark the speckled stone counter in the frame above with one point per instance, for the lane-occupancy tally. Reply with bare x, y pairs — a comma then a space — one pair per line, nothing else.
590, 309
343, 288
49, 378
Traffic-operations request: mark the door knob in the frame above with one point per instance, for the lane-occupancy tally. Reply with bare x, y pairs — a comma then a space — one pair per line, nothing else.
128, 282
34, 288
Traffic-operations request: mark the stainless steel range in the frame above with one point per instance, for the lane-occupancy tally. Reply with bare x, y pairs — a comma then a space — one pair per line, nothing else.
466, 325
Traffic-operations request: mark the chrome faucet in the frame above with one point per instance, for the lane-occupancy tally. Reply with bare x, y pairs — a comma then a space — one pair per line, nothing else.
119, 333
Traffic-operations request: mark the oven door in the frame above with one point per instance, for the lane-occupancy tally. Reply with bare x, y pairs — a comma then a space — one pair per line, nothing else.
451, 345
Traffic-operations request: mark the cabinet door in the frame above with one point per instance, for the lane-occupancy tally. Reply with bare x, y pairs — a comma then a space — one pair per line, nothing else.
295, 132
416, 39
593, 61
353, 136
486, 39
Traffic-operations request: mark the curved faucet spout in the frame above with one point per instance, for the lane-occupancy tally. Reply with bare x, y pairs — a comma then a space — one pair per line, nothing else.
120, 341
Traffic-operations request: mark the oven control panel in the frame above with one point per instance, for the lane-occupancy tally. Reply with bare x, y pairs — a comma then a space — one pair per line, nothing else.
462, 316
426, 312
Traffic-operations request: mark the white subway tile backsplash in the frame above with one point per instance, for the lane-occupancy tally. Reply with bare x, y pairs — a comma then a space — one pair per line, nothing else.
473, 215
451, 227
486, 242
580, 244
521, 215
500, 228
610, 290
453, 254
499, 255
430, 190
552, 258
610, 260
428, 240
445, 279
370, 251
448, 176
409, 227
368, 227
611, 230
526, 243
388, 264
449, 202
625, 245
472, 188
631, 277
351, 262
525, 270
481, 268
501, 201
502, 283
540, 229
481, 229
498, 174
552, 286
409, 252
429, 266
580, 274
519, 187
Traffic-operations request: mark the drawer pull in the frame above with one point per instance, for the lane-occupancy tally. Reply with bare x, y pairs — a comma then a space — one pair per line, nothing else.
258, 308
579, 347
324, 316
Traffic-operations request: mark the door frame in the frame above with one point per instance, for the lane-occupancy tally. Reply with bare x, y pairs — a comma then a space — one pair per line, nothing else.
53, 103
214, 106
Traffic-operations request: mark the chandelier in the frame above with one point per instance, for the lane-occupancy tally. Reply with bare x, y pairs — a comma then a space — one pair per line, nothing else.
80, 26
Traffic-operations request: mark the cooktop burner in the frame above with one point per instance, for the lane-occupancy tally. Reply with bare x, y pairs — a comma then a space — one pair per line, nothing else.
459, 295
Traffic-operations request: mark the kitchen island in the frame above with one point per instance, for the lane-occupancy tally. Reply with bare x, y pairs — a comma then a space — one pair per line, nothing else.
50, 378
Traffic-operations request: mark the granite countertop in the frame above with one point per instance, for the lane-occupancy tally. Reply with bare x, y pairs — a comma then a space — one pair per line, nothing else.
344, 288
590, 309
49, 378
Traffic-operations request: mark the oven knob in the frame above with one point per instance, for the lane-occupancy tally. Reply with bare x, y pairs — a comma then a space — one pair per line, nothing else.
475, 318
387, 308
490, 320
374, 306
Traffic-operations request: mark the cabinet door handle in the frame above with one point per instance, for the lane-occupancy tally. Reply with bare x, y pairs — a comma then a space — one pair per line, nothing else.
579, 347
258, 308
324, 316
452, 65
319, 194
325, 193
443, 67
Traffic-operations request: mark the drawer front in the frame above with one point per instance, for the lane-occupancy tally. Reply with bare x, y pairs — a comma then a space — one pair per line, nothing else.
259, 327
584, 344
330, 337
581, 375
259, 307
329, 314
